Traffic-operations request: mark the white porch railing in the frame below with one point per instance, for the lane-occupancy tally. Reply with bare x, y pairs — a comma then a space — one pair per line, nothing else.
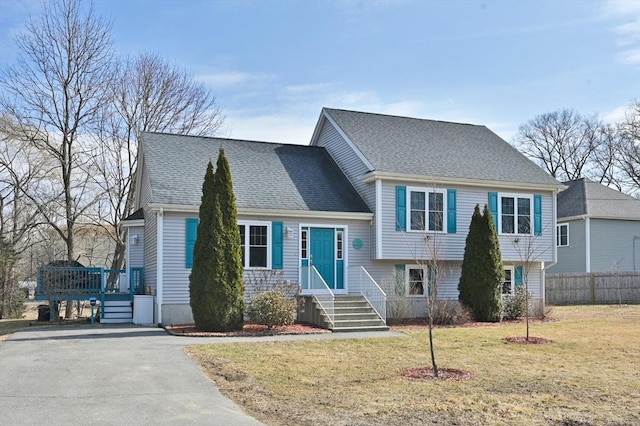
360, 282
314, 284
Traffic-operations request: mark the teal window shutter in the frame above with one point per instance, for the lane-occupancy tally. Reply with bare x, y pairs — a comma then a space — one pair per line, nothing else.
451, 211
493, 208
399, 284
276, 245
190, 240
518, 276
537, 214
401, 208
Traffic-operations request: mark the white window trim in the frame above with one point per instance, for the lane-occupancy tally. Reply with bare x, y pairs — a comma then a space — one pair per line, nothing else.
511, 268
426, 191
515, 211
425, 279
558, 239
247, 224
304, 230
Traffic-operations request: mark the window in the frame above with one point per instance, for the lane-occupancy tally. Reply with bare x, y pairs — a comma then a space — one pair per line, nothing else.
426, 210
418, 279
304, 240
515, 214
562, 235
416, 282
508, 284
254, 243
339, 245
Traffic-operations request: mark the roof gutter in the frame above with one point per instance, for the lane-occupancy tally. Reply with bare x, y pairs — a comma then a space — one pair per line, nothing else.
193, 209
372, 176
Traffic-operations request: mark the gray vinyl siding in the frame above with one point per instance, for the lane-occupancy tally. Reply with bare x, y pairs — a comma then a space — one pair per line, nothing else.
145, 189
136, 251
348, 161
612, 244
150, 249
411, 245
573, 257
176, 275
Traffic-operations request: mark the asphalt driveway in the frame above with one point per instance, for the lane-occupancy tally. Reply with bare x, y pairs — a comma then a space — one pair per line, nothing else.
107, 375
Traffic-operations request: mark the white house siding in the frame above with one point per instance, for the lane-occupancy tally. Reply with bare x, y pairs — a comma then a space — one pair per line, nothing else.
612, 245
409, 245
572, 258
150, 249
136, 251
348, 161
176, 307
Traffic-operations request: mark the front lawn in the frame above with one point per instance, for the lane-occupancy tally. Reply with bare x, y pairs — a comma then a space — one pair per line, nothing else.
589, 375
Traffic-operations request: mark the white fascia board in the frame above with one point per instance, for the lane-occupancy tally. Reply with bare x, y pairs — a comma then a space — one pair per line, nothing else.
138, 172
303, 214
423, 179
316, 130
130, 223
585, 216
346, 138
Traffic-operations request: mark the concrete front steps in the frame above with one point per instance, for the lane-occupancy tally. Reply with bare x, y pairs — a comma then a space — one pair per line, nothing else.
353, 313
117, 311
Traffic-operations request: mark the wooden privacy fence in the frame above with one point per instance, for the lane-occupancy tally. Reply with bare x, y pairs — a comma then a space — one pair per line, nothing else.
594, 287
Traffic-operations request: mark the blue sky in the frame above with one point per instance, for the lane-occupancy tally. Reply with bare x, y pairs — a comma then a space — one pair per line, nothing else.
274, 64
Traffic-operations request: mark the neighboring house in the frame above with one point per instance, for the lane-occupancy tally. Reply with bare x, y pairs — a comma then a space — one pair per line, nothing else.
346, 213
598, 229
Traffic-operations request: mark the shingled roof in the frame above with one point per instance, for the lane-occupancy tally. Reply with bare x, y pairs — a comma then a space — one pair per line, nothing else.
265, 175
443, 149
583, 197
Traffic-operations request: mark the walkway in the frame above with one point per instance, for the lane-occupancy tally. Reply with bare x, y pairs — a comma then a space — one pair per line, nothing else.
115, 375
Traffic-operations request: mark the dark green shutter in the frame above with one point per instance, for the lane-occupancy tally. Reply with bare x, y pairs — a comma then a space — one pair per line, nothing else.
493, 208
190, 240
518, 276
276, 245
451, 211
401, 208
537, 214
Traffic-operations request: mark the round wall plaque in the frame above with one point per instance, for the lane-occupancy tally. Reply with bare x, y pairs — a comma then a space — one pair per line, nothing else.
357, 244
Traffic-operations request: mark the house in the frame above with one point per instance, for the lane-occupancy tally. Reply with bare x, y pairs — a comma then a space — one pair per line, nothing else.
598, 229
346, 214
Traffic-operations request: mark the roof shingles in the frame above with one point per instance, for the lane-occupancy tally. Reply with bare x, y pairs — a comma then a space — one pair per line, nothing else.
436, 148
265, 175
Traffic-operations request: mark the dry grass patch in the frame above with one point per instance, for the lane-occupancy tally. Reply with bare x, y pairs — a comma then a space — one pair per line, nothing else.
590, 375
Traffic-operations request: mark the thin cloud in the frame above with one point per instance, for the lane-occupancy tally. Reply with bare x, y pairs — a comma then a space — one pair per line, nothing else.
625, 18
228, 79
305, 88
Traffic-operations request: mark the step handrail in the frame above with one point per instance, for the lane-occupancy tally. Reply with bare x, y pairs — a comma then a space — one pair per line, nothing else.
322, 294
371, 291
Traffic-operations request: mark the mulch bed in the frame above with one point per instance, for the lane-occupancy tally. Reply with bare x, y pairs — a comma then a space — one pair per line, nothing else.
249, 329
444, 374
532, 340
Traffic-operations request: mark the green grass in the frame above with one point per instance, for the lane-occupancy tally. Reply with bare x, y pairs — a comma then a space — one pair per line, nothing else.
590, 374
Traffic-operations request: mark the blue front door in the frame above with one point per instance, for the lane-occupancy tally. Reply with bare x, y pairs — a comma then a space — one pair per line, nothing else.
322, 244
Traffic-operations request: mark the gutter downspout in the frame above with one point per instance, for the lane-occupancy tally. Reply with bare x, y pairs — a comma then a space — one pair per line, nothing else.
378, 233
159, 262
543, 266
587, 241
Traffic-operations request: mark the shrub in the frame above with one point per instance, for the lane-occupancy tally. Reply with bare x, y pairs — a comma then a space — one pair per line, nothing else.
515, 306
450, 312
272, 308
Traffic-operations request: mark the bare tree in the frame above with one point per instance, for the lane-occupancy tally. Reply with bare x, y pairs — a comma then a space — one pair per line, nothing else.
55, 93
562, 142
150, 95
529, 248
629, 146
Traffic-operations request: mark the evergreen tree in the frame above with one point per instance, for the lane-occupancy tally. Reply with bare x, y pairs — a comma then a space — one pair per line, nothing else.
216, 287
201, 296
482, 274
229, 269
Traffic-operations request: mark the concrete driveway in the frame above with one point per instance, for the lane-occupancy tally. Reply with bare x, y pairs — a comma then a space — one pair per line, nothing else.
107, 375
